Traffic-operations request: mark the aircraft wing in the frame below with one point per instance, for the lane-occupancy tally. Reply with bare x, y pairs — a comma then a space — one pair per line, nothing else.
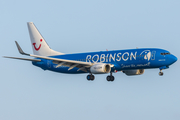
84, 66
70, 63
35, 60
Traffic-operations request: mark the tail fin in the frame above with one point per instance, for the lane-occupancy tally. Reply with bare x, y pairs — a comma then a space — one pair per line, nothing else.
39, 45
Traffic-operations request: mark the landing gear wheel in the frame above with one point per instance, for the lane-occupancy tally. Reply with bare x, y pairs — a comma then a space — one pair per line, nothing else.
160, 73
110, 78
90, 77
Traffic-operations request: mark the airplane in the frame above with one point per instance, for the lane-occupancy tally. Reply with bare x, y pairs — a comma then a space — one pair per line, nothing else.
129, 61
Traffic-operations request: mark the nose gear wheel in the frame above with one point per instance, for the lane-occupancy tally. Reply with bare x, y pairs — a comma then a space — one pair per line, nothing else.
161, 73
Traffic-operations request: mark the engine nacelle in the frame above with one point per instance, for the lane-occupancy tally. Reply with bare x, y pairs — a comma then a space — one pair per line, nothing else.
100, 68
134, 72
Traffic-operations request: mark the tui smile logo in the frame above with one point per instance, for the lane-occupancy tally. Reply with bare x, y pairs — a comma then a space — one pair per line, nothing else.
34, 44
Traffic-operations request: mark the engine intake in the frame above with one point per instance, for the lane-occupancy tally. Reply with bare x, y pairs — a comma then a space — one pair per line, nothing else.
100, 68
134, 72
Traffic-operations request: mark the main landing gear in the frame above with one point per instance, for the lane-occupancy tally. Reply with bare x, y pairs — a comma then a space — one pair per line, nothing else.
110, 77
90, 77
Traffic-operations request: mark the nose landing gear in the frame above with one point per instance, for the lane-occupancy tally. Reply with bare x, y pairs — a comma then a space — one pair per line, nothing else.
161, 73
162, 68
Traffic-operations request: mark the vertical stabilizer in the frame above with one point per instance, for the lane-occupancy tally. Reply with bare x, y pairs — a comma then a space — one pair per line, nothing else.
39, 45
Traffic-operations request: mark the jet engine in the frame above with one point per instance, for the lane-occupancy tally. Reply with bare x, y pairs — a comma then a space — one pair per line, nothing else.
134, 72
100, 68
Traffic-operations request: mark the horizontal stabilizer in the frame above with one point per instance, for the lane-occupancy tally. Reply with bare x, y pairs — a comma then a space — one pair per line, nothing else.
34, 60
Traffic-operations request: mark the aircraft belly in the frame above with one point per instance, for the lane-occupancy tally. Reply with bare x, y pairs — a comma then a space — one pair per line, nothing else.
64, 69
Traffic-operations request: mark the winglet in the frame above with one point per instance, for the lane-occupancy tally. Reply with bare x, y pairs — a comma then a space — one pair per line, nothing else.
20, 50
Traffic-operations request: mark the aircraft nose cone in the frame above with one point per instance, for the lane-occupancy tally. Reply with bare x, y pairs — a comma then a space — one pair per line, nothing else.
174, 59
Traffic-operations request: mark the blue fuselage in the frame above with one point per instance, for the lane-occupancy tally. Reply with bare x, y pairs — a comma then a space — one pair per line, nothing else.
121, 60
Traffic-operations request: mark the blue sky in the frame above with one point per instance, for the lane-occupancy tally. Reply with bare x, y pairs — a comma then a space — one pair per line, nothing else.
27, 92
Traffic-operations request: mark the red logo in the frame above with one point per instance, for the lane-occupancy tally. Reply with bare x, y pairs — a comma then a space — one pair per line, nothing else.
38, 47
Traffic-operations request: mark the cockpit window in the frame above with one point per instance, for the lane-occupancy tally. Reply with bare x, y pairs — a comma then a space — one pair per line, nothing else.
165, 53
